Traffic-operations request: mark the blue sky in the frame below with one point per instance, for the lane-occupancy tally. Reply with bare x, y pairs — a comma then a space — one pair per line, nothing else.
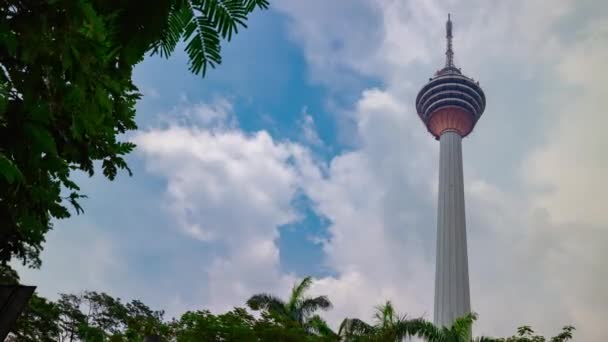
301, 154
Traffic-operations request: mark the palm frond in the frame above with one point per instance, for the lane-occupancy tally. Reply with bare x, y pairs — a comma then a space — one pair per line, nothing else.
297, 292
264, 301
351, 327
419, 327
462, 326
309, 305
318, 326
385, 314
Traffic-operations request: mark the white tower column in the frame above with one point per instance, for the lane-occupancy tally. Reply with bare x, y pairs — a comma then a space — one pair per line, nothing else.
452, 298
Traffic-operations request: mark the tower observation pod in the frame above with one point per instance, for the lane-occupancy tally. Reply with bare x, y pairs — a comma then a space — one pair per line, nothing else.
450, 105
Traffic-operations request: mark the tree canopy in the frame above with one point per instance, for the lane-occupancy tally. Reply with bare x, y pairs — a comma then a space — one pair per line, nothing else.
90, 316
391, 326
97, 316
67, 94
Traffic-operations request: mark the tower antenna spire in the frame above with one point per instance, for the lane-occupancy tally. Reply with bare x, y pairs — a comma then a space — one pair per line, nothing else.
449, 53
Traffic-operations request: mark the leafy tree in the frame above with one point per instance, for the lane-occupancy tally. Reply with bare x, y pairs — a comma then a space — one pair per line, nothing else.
66, 94
8, 276
141, 321
90, 316
526, 334
297, 308
109, 318
273, 327
395, 329
72, 321
94, 316
204, 326
238, 325
38, 322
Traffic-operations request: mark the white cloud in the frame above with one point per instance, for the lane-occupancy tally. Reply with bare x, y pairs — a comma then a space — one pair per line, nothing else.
571, 164
389, 37
231, 189
217, 115
234, 189
572, 161
375, 210
309, 130
329, 44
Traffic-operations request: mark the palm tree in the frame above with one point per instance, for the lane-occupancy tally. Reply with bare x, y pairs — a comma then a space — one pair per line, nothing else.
460, 331
387, 320
298, 308
391, 326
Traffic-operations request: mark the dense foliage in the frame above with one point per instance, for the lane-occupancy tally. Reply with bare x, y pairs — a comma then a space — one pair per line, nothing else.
66, 95
526, 334
90, 316
93, 316
238, 325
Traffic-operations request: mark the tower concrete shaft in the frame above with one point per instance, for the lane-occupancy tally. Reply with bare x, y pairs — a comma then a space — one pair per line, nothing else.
452, 297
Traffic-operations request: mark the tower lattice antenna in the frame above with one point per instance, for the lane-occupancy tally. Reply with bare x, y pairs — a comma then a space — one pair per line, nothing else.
449, 53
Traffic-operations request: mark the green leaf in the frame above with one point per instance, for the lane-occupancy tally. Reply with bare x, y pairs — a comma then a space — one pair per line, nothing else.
42, 139
7, 38
3, 103
8, 170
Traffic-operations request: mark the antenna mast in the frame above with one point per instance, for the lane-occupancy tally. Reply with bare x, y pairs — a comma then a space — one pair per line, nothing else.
449, 53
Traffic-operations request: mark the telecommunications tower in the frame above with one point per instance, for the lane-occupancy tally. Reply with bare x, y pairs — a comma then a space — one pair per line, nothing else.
450, 105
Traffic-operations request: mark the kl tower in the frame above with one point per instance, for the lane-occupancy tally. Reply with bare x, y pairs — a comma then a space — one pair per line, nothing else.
449, 105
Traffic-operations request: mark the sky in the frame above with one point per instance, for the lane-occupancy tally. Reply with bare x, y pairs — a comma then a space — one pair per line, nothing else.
302, 154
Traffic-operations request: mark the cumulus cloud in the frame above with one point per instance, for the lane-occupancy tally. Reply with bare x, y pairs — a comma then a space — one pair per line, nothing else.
537, 226
230, 189
233, 189
392, 37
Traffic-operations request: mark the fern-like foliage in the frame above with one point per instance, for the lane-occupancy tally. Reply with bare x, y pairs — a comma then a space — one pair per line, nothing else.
202, 24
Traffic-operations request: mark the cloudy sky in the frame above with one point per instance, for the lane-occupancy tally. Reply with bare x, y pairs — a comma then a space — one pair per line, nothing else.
302, 155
